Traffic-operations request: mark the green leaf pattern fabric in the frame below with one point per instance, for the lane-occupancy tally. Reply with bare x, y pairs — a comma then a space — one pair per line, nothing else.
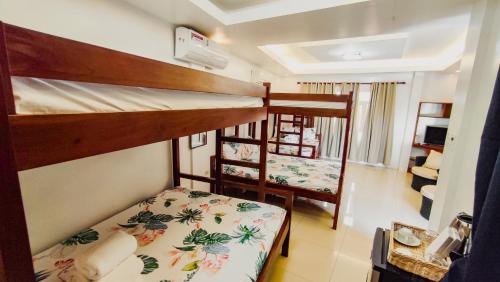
197, 236
313, 174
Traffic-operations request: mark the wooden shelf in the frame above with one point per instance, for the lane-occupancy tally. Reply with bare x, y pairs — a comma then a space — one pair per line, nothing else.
429, 147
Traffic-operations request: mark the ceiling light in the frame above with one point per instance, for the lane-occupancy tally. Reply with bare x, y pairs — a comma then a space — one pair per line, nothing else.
352, 56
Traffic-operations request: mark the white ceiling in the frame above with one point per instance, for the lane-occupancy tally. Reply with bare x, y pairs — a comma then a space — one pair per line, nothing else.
392, 35
368, 48
231, 5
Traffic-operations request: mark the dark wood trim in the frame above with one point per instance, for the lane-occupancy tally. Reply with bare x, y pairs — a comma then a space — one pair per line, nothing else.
301, 135
15, 254
82, 135
35, 54
281, 242
218, 162
309, 97
253, 131
240, 163
237, 131
240, 140
279, 132
318, 112
197, 178
8, 95
176, 162
263, 148
344, 162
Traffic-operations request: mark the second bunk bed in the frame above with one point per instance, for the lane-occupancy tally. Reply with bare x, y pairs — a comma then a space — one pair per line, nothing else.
319, 179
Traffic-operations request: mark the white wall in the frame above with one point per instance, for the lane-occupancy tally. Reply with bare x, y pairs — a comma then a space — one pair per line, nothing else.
439, 87
455, 188
289, 84
62, 199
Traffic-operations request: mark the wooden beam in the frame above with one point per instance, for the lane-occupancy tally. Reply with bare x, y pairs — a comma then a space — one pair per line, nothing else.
240, 140
318, 112
82, 135
15, 254
345, 155
309, 97
176, 163
35, 54
218, 162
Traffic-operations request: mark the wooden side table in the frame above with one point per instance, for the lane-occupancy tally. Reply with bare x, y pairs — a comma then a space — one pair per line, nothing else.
383, 271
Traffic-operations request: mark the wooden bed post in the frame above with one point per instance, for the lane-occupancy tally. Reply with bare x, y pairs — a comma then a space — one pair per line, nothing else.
176, 162
15, 254
263, 148
344, 162
301, 136
278, 134
218, 162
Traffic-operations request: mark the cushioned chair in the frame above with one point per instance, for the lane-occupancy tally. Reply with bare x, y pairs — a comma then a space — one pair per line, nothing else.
426, 170
427, 192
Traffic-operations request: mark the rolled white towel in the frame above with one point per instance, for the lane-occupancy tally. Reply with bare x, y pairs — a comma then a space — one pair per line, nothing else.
129, 270
103, 258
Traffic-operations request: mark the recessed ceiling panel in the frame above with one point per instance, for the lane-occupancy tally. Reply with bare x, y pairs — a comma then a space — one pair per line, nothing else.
369, 50
231, 5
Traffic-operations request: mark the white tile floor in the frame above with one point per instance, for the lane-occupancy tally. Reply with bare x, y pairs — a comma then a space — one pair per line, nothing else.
372, 197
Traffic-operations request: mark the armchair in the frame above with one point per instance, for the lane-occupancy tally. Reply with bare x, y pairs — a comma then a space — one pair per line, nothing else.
426, 170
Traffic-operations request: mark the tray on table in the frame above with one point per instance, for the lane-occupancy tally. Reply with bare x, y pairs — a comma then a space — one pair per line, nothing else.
411, 259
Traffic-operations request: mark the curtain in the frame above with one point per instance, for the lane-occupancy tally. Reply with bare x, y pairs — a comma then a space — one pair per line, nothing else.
483, 263
373, 130
332, 130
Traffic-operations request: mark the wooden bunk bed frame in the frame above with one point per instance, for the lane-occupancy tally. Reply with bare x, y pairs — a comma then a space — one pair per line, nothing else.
28, 141
244, 183
301, 122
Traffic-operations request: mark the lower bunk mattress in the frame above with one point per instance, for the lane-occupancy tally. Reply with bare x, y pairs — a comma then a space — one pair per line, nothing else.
183, 235
311, 174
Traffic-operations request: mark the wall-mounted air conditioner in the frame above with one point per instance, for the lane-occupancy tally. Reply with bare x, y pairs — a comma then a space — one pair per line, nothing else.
190, 46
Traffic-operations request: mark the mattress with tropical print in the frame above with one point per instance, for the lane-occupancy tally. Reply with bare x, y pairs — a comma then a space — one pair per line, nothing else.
312, 174
183, 235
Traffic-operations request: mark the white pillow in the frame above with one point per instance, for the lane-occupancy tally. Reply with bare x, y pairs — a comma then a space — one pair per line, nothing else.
434, 160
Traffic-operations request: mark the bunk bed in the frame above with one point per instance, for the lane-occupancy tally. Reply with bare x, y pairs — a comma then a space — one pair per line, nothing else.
295, 137
35, 65
318, 179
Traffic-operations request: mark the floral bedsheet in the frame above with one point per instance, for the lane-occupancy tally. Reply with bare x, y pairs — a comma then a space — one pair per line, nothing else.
293, 150
313, 174
183, 235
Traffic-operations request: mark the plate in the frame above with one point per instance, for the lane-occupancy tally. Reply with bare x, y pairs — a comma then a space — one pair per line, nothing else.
411, 240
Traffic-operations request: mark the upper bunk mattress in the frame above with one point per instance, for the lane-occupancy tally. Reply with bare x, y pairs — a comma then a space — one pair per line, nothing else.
46, 96
308, 104
183, 235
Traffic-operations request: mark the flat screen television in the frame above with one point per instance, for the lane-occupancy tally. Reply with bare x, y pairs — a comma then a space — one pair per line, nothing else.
435, 135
